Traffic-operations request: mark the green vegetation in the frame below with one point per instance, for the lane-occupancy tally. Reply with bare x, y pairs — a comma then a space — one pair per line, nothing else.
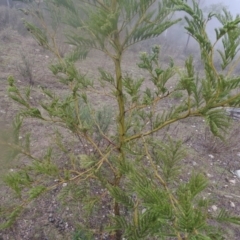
123, 162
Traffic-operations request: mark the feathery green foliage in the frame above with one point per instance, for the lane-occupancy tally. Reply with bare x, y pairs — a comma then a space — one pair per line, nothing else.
119, 151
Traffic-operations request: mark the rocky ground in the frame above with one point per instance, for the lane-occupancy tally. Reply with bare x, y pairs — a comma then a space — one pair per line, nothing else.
46, 218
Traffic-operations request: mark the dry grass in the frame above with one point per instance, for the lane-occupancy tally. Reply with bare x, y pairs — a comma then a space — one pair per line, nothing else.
214, 144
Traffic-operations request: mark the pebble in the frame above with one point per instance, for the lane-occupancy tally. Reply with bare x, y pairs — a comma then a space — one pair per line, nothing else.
51, 219
228, 196
144, 210
232, 204
232, 181
214, 208
237, 173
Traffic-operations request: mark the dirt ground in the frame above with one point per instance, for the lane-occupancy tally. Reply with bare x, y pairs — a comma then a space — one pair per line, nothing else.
45, 219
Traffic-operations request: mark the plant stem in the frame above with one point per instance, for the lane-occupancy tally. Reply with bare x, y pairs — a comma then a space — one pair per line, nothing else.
120, 100
118, 233
121, 119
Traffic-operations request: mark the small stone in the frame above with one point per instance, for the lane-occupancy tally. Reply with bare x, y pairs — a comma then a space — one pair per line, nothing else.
237, 173
64, 184
228, 196
209, 175
194, 163
144, 210
214, 208
232, 181
211, 156
51, 219
232, 204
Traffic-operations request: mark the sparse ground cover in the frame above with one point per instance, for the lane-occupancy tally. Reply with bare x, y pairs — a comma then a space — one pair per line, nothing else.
47, 218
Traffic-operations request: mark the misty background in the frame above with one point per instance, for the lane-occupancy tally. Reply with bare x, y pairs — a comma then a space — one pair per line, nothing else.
175, 41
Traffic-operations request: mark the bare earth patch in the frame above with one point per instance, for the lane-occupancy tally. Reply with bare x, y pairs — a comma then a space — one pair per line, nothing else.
47, 218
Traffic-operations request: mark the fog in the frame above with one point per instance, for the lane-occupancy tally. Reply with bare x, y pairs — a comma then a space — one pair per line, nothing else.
215, 5
232, 5
177, 35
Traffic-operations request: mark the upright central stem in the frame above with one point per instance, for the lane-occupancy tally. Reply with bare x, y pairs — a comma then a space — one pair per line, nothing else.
120, 100
120, 120
121, 111
121, 132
